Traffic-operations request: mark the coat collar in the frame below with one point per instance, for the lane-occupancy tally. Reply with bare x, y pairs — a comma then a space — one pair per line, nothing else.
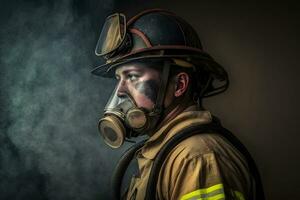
183, 120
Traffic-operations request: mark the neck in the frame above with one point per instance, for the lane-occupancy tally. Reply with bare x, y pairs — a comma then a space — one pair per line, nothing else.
174, 111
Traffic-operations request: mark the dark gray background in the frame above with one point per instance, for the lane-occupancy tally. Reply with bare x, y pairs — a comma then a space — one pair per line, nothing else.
50, 104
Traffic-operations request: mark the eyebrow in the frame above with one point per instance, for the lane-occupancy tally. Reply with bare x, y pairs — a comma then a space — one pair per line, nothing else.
126, 71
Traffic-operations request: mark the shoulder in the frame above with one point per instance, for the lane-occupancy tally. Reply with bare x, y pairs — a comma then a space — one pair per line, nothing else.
206, 149
200, 145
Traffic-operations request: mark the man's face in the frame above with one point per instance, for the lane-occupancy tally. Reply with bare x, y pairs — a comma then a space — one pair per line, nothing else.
140, 82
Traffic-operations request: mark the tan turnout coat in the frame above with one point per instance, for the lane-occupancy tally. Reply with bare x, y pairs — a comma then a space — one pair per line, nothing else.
200, 167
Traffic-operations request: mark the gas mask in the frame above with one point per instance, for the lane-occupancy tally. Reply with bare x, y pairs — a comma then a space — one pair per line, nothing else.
123, 119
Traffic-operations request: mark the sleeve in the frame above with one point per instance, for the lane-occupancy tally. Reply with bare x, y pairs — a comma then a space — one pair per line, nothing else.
198, 177
193, 178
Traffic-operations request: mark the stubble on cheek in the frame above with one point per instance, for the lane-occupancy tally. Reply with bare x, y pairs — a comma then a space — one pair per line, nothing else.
148, 88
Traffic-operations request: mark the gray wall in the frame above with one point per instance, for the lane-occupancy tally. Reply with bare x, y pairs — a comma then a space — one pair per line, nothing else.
50, 104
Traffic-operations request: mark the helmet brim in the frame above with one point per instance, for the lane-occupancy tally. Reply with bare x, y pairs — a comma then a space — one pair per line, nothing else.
195, 56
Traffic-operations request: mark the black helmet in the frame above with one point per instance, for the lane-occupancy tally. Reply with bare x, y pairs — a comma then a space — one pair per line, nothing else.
153, 34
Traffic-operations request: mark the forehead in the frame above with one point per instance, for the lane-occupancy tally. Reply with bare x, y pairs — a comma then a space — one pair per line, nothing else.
135, 67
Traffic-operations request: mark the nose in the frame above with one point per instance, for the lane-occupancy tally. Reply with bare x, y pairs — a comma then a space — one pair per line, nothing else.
121, 89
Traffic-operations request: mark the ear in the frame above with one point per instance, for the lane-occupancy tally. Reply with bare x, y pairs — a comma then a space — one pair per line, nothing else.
182, 82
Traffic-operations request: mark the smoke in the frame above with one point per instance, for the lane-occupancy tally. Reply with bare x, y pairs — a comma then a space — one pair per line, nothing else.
50, 104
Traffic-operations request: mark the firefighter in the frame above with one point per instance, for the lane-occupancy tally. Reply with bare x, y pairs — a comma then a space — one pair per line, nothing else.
163, 74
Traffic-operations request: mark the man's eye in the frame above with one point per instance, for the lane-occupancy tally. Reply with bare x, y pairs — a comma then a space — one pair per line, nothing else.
132, 77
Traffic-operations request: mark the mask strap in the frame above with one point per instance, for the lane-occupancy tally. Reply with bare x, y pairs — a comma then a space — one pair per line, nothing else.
162, 90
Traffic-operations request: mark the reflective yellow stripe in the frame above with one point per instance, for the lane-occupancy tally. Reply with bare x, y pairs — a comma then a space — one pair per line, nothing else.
214, 192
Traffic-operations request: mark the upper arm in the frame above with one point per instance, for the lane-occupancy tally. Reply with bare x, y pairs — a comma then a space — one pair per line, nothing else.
194, 178
181, 175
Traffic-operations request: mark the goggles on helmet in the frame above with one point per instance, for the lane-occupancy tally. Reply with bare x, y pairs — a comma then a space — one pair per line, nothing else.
112, 34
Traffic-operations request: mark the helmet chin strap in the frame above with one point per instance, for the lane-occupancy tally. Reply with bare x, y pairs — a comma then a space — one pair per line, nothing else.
159, 105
